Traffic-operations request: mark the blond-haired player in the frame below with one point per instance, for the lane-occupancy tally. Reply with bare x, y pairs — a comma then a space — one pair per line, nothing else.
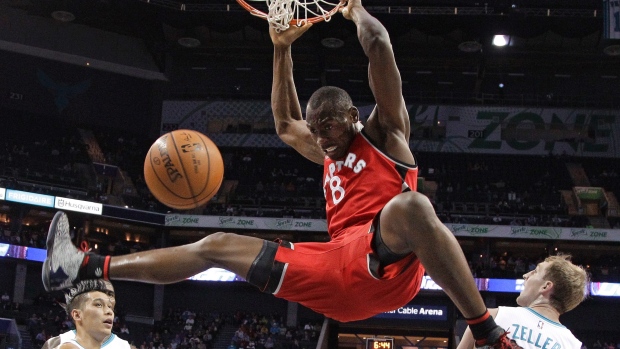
553, 288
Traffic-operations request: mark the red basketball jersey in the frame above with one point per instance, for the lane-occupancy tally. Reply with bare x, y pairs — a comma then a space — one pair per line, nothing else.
358, 187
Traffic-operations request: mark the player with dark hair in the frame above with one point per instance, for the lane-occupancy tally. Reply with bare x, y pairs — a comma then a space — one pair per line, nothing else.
555, 287
90, 304
112, 341
384, 234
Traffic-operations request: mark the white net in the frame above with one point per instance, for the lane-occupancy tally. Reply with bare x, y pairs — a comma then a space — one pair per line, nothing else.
282, 13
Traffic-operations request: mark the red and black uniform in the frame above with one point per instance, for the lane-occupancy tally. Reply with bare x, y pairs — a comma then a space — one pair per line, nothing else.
339, 278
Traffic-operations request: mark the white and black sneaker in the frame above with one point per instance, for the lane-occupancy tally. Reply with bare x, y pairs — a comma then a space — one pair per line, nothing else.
62, 265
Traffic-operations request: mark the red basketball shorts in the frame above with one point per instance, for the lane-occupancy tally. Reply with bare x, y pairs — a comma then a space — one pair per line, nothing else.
336, 278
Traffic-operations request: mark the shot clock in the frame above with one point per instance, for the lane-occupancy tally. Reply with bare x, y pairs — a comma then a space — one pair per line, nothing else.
379, 343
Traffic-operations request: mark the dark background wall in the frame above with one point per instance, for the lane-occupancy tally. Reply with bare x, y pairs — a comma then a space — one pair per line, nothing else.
78, 94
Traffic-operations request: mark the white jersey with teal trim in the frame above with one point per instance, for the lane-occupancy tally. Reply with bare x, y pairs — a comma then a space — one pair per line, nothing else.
113, 342
530, 330
74, 342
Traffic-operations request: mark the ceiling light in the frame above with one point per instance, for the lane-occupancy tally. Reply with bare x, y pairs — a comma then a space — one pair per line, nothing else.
189, 42
332, 43
63, 16
612, 50
470, 46
501, 40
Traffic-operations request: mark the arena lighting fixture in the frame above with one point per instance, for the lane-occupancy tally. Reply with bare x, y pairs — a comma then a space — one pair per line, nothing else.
332, 43
63, 16
612, 50
189, 42
501, 40
470, 46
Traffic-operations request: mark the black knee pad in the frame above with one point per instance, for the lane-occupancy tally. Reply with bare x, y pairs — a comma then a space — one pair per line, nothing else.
266, 273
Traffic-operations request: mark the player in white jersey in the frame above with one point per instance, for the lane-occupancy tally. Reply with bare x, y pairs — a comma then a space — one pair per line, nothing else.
553, 288
113, 342
75, 343
90, 304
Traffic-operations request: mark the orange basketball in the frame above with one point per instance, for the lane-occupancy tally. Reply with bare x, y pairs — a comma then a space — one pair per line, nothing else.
183, 169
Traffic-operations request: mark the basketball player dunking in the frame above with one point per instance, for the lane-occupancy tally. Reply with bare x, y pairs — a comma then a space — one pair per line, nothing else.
384, 234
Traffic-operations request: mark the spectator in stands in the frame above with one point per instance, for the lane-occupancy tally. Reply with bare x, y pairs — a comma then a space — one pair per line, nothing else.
189, 323
269, 343
5, 301
555, 287
157, 339
497, 219
124, 331
40, 338
275, 328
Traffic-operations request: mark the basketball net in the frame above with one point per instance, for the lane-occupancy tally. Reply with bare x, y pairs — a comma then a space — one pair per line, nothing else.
284, 13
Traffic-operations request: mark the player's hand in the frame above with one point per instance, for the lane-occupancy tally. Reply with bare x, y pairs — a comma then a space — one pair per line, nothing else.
346, 10
287, 37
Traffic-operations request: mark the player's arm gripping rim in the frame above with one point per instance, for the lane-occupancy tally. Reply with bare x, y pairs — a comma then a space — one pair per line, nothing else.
288, 117
388, 125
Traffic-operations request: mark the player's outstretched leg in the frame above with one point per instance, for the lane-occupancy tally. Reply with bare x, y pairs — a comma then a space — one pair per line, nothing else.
409, 224
65, 265
61, 267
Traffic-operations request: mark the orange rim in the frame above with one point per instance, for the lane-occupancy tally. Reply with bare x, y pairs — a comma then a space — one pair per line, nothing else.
316, 19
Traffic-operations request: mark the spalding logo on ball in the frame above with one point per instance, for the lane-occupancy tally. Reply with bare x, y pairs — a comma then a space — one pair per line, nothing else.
183, 169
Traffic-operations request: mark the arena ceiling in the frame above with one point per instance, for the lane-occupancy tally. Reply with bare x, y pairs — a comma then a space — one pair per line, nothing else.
548, 37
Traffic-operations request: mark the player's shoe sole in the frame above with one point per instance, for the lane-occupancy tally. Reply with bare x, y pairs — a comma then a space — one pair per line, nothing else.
62, 265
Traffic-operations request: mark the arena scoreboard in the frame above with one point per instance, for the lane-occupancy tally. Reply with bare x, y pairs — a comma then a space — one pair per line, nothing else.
379, 343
